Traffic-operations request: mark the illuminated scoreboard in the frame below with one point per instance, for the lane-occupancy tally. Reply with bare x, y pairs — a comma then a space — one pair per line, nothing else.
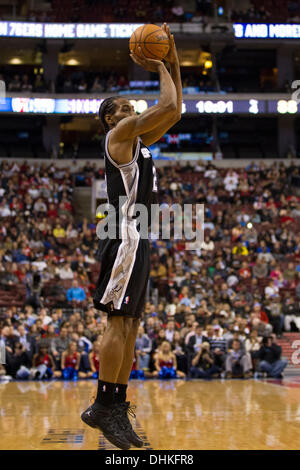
207, 106
251, 106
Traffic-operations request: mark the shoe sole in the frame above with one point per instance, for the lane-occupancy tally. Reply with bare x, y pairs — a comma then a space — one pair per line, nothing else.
135, 444
135, 441
108, 437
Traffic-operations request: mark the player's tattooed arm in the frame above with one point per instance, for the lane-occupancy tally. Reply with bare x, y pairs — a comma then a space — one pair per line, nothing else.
155, 134
171, 119
173, 60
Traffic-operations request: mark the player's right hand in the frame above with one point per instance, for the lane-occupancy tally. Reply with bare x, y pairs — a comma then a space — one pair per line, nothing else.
172, 56
152, 65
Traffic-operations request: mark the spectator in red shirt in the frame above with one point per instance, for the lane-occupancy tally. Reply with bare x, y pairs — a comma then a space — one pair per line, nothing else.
43, 363
245, 271
260, 313
52, 212
285, 218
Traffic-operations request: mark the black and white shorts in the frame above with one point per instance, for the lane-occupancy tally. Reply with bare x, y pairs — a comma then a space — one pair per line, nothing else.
124, 273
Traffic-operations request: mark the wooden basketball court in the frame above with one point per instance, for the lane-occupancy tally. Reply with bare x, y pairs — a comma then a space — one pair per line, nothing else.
186, 415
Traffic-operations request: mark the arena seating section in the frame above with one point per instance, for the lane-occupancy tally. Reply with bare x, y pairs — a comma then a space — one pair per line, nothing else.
192, 183
146, 11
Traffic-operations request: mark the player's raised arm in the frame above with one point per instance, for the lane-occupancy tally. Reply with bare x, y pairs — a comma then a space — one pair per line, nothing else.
155, 134
136, 125
172, 59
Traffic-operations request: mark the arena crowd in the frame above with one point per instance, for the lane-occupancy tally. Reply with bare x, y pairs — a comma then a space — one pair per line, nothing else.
81, 82
215, 311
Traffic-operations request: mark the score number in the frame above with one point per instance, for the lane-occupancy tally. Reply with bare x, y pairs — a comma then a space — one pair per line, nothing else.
284, 107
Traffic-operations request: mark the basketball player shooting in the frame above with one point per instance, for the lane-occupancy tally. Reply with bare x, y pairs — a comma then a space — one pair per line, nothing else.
124, 273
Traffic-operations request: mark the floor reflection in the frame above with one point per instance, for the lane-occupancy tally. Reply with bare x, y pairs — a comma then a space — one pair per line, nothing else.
232, 414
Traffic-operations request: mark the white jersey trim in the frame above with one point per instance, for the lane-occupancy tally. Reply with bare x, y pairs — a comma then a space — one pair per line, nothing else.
126, 254
137, 150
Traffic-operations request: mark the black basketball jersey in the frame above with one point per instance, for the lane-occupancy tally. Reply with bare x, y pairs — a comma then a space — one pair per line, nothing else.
135, 182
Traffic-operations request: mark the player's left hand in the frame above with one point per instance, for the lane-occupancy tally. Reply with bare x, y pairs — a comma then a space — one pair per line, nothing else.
172, 56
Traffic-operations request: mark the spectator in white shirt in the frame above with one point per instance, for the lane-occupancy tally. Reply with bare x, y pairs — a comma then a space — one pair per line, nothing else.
40, 264
179, 277
231, 181
207, 245
44, 317
271, 290
34, 192
232, 279
65, 272
171, 308
40, 206
211, 173
170, 330
242, 217
71, 232
4, 209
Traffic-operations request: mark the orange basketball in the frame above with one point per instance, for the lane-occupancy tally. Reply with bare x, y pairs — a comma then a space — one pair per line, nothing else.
153, 41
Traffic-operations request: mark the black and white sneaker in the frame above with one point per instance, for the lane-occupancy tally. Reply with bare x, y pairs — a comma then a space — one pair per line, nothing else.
131, 436
108, 420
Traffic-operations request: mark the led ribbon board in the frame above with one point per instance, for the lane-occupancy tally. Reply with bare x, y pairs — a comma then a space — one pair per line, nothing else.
18, 29
79, 106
